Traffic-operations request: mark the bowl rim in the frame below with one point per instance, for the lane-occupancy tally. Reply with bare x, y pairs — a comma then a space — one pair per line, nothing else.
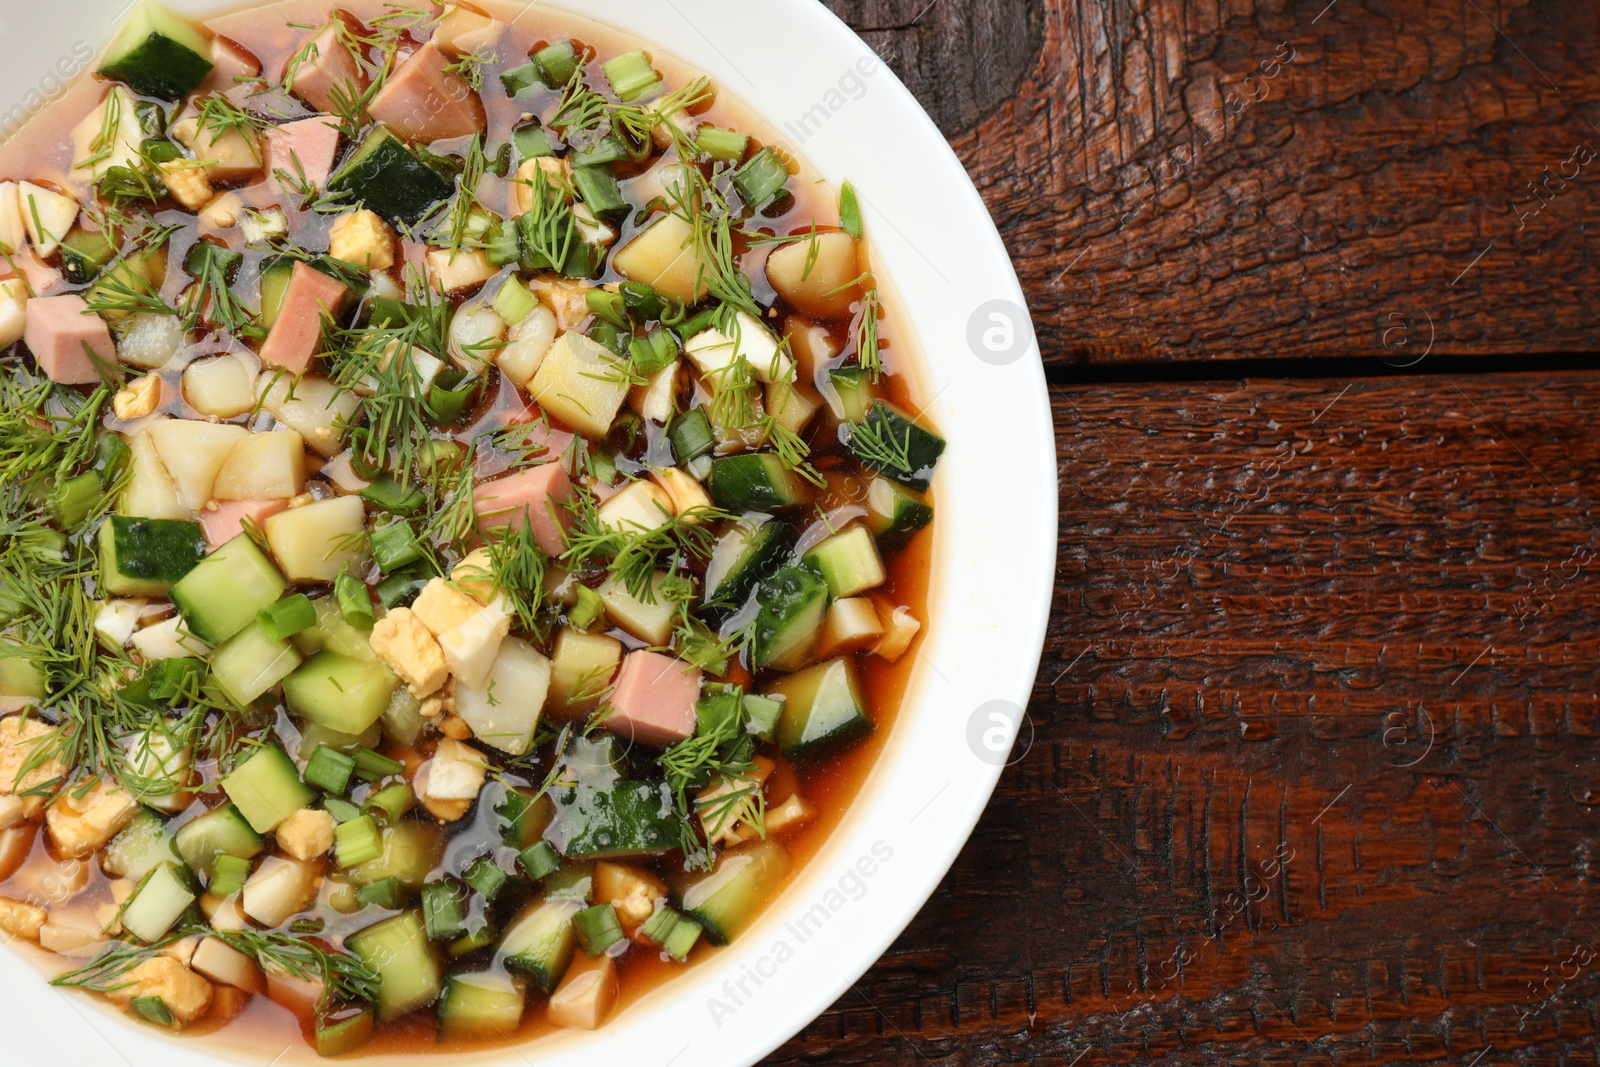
970, 248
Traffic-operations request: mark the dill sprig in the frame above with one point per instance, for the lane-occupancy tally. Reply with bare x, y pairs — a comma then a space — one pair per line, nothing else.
719, 750
517, 567
875, 443
380, 361
212, 299
343, 977
867, 349
633, 554
467, 206
220, 116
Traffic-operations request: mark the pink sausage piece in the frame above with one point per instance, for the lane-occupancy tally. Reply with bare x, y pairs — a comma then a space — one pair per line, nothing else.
303, 148
422, 101
534, 496
654, 699
58, 329
230, 62
297, 335
228, 520
328, 66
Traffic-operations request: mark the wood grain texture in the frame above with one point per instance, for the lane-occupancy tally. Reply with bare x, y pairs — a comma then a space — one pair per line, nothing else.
1426, 164
961, 59
1312, 776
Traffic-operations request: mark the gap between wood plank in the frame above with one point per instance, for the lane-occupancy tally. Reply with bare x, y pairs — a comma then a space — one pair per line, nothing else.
1322, 368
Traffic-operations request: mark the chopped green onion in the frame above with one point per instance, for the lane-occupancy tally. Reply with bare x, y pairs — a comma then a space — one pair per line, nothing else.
486, 877
392, 801
228, 874
606, 150
482, 937
761, 179
849, 211
587, 611
598, 928
519, 80
111, 456
631, 75
682, 939
658, 927
396, 589
289, 616
373, 765
610, 307
390, 495
453, 393
395, 546
502, 243
444, 912
341, 809
584, 260
653, 352
153, 1010
387, 894
355, 601
691, 435
762, 713
606, 333
540, 860
557, 63
357, 841
598, 188
514, 302
531, 140
76, 498
330, 770
726, 145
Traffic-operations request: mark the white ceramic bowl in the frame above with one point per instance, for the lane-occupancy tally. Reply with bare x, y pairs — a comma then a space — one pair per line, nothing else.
995, 559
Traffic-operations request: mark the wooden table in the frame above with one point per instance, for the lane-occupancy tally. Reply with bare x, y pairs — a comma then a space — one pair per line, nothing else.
1313, 768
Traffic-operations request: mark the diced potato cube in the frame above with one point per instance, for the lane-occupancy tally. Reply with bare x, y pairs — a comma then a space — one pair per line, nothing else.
315, 542
580, 383
312, 405
264, 466
220, 388
193, 453
666, 256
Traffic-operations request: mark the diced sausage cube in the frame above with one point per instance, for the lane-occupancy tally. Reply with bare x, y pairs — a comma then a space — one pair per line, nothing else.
297, 335
227, 520
302, 152
327, 66
654, 699
61, 332
534, 496
424, 101
229, 63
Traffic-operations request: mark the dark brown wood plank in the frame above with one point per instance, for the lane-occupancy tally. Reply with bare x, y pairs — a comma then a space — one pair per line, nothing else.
1344, 622
1416, 172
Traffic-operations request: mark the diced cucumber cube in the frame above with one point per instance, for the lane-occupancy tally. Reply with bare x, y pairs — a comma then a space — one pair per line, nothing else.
224, 591
849, 562
219, 832
793, 604
158, 903
250, 663
822, 708
756, 481
408, 967
339, 692
266, 788
143, 845
146, 557
482, 1004
726, 900
541, 942
156, 53
889, 442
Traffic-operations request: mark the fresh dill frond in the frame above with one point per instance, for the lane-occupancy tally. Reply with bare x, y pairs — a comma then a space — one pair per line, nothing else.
875, 443
634, 554
867, 348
